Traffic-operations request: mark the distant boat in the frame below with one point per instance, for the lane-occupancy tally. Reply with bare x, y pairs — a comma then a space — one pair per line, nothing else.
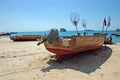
7, 33
117, 29
13, 32
71, 44
25, 38
117, 33
89, 30
63, 30
4, 33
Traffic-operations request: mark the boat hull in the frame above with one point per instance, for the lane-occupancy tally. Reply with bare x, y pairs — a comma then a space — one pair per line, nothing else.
65, 52
75, 44
25, 38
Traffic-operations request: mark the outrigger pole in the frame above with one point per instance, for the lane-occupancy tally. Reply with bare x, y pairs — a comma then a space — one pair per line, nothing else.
75, 19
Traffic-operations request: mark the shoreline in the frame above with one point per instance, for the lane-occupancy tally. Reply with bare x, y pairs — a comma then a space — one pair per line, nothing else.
7, 37
26, 60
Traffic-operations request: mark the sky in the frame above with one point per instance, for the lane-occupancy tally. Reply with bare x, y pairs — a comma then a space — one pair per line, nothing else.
42, 15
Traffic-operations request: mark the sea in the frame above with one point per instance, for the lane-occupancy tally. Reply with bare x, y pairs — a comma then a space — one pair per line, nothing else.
115, 39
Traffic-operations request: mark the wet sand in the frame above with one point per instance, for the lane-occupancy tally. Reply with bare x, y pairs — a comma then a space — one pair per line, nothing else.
27, 61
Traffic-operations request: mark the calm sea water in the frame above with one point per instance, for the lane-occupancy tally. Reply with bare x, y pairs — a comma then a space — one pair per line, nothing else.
69, 33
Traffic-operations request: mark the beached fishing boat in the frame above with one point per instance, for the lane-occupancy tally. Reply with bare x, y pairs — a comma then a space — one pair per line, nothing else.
25, 38
72, 44
67, 45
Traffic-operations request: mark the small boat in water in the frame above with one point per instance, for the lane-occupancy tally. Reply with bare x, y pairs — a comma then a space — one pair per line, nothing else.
4, 33
25, 38
7, 33
116, 34
63, 30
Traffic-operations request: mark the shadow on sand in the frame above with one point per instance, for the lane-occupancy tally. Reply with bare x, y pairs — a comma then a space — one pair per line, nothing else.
86, 62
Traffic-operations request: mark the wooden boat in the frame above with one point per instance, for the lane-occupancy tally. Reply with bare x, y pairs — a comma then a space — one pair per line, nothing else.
66, 46
108, 40
71, 45
25, 38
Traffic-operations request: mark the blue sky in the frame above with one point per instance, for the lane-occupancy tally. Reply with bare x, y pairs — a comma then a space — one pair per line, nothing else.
42, 15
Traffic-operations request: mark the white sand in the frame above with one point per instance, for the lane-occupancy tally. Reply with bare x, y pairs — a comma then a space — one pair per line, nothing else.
27, 61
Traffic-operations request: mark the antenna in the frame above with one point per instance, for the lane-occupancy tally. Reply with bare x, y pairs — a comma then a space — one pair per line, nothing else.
75, 19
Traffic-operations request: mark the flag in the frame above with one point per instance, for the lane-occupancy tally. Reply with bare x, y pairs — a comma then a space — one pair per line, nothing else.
104, 22
109, 21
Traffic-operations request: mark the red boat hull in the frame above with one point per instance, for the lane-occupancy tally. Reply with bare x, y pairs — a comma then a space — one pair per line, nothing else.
64, 52
72, 45
25, 38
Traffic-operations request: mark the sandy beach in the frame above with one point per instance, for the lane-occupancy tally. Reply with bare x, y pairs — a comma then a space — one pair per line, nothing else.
27, 61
